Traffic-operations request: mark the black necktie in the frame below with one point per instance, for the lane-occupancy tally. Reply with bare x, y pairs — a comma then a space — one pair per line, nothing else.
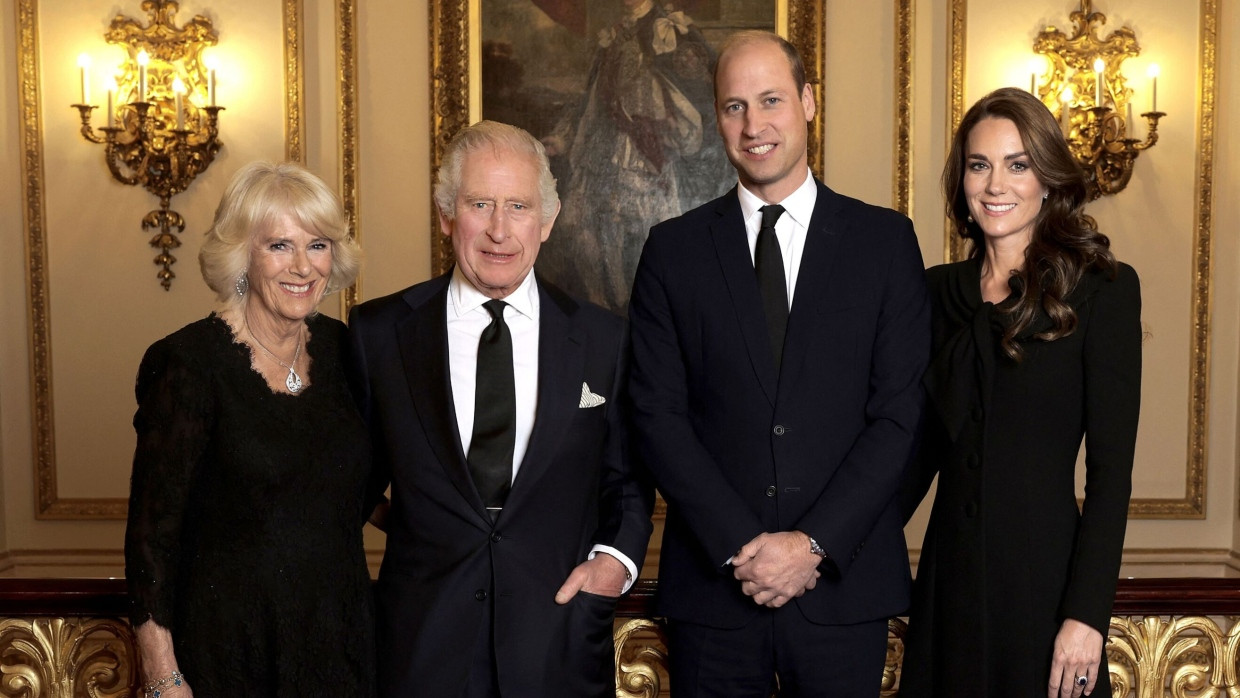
495, 411
768, 260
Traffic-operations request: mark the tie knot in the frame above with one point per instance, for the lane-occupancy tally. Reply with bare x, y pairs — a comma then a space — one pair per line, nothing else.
770, 214
496, 309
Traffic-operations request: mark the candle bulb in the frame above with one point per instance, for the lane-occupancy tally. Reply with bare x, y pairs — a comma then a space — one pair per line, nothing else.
1037, 65
143, 59
1065, 111
1099, 66
84, 69
211, 65
1154, 86
179, 88
111, 86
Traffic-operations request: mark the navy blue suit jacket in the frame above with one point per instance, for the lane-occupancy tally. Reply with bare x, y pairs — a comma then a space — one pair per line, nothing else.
737, 449
446, 565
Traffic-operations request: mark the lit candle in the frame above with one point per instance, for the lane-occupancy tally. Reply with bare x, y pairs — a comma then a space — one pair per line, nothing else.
1129, 125
211, 65
1037, 65
84, 69
1099, 66
1065, 111
143, 59
111, 87
179, 88
1154, 86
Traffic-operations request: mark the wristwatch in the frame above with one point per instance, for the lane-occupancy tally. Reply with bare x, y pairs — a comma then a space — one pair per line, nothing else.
815, 548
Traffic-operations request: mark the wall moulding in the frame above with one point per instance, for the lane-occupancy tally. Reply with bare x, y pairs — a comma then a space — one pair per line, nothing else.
1192, 504
48, 502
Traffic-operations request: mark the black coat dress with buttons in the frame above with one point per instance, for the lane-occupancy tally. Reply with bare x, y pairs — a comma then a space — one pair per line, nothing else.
1008, 555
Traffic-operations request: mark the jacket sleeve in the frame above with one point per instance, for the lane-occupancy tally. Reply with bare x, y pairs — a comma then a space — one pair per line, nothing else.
626, 496
357, 370
870, 476
684, 470
1112, 368
174, 422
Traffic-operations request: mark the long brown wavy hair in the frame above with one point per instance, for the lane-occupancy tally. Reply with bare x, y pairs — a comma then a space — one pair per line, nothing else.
1065, 242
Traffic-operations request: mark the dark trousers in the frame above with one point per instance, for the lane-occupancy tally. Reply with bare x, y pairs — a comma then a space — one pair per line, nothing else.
778, 652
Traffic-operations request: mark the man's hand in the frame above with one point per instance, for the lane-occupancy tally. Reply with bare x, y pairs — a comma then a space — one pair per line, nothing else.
604, 576
774, 568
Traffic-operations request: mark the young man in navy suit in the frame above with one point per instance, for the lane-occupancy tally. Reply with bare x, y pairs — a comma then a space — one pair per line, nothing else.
779, 337
495, 406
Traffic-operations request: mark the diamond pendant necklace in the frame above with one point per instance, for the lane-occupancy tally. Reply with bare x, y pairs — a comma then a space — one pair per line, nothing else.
293, 381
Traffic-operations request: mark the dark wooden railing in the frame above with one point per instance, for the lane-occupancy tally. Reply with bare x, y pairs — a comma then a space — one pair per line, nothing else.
69, 637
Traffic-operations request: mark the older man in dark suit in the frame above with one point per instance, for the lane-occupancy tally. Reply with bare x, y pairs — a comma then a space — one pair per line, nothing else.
495, 406
779, 337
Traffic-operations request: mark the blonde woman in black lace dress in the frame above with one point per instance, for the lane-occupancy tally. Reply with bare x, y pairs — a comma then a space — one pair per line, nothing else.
243, 552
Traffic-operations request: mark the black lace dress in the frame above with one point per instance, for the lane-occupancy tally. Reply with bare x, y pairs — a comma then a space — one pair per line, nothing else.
245, 518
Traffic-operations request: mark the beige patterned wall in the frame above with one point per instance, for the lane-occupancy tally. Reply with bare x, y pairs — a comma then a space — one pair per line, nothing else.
888, 98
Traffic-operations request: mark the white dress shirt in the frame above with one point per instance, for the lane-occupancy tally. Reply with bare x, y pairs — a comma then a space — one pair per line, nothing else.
790, 229
466, 321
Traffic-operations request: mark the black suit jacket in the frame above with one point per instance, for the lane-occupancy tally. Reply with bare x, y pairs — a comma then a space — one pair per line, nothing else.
736, 448
446, 565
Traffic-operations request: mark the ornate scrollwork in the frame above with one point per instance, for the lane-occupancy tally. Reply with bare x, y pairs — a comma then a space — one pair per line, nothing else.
896, 630
1187, 657
66, 658
641, 659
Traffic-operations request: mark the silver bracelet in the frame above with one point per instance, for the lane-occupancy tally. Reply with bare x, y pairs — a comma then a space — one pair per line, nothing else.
151, 689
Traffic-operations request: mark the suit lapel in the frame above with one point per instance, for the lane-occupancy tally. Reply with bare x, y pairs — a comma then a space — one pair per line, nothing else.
732, 248
822, 238
423, 341
561, 366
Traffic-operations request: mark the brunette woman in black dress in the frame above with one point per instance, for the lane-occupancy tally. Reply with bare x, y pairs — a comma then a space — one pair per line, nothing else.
247, 575
1037, 343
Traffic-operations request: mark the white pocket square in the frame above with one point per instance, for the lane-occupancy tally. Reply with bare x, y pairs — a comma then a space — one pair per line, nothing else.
589, 399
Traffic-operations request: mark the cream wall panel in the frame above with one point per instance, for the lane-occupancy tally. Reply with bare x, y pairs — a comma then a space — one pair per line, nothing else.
14, 356
1152, 223
106, 305
394, 76
858, 109
929, 125
1227, 253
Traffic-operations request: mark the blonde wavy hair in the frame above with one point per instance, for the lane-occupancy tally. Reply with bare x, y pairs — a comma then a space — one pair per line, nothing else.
258, 195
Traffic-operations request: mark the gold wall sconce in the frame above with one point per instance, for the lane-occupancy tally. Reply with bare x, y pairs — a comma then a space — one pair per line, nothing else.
1090, 95
162, 120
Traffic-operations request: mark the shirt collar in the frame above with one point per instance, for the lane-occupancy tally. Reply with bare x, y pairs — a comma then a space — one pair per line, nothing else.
799, 205
466, 298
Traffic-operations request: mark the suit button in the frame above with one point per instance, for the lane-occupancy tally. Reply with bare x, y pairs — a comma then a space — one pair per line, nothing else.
496, 537
481, 595
770, 491
779, 430
973, 461
970, 509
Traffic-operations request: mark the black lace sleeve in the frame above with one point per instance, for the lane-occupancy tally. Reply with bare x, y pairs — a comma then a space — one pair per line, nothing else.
173, 425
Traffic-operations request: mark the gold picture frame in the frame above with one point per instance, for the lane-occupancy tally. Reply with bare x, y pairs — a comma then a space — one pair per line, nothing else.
1193, 504
49, 505
456, 92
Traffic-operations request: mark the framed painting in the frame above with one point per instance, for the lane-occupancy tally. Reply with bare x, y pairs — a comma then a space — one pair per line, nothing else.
620, 92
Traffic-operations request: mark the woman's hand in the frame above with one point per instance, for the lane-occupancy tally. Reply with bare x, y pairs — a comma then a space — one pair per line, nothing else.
159, 660
1077, 652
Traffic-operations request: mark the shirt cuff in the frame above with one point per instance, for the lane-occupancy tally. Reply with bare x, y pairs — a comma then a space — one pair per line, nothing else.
629, 567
